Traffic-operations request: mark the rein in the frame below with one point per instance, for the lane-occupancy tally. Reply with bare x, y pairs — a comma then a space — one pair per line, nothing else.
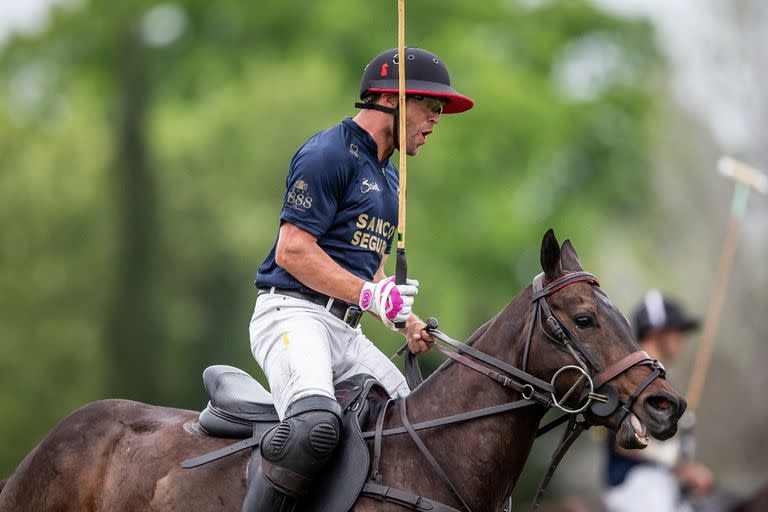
532, 389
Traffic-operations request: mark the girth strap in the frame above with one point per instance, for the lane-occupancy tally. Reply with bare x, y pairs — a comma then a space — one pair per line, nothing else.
428, 455
403, 498
375, 475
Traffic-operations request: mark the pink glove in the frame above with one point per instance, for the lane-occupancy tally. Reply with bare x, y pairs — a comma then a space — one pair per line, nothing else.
391, 302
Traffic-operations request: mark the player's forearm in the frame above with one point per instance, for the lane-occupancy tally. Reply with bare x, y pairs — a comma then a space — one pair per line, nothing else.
316, 270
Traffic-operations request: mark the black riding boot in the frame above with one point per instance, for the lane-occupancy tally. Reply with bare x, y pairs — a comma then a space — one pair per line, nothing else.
292, 453
260, 495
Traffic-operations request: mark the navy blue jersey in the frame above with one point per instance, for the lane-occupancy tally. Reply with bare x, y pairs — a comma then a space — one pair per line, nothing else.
338, 191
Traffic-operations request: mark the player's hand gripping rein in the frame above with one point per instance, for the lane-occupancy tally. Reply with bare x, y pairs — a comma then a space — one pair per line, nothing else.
391, 302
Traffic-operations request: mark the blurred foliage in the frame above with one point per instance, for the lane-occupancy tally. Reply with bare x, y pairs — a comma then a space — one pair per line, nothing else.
141, 177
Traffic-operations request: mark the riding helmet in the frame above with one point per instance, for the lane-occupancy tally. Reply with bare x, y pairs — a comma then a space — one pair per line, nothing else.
425, 75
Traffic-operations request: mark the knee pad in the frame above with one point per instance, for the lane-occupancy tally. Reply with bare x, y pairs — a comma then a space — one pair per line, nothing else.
298, 448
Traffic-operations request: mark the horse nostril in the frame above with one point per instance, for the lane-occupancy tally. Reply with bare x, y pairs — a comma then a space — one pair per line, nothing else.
665, 404
661, 403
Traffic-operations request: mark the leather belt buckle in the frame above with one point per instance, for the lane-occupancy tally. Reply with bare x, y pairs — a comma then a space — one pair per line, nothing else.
352, 316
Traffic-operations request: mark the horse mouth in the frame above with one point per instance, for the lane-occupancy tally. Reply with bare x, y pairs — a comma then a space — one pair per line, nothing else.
632, 433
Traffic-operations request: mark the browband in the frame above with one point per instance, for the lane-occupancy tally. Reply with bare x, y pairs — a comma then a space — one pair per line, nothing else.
562, 282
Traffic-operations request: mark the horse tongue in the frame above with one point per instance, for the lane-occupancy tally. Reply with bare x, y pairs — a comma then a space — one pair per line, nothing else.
639, 429
632, 433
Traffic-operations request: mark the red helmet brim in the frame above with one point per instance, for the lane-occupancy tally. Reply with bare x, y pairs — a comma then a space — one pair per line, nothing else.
456, 103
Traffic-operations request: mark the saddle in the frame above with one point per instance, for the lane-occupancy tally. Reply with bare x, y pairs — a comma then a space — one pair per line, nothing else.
240, 407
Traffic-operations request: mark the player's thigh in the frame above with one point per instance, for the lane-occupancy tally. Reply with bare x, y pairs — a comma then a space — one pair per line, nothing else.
292, 345
363, 357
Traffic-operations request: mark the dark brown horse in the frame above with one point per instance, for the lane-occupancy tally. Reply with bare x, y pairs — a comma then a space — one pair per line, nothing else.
120, 455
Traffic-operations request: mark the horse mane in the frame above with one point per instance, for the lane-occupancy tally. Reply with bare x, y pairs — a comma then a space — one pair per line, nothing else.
2, 484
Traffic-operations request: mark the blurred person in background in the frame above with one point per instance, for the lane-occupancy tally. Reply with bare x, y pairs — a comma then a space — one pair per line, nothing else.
656, 478
337, 223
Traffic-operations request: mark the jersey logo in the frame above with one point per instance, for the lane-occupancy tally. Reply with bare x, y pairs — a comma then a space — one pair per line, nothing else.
373, 233
367, 186
354, 150
298, 197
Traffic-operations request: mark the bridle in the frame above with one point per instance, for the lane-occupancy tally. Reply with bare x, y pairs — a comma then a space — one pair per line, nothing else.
606, 400
599, 395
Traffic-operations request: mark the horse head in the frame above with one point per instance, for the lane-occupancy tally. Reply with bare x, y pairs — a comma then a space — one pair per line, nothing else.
584, 345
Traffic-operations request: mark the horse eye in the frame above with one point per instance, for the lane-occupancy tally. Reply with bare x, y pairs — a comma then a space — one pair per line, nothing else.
583, 321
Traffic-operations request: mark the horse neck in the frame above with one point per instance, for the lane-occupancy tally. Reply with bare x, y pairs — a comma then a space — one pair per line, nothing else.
494, 449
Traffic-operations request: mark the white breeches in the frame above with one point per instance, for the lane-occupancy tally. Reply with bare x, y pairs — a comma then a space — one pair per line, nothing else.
303, 350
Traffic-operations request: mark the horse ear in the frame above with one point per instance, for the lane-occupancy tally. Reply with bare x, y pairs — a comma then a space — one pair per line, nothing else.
569, 257
550, 255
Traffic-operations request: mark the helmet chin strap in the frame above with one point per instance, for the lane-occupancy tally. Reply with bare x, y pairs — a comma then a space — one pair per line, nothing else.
387, 110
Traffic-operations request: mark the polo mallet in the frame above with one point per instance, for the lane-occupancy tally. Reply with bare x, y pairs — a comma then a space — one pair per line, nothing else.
746, 178
401, 264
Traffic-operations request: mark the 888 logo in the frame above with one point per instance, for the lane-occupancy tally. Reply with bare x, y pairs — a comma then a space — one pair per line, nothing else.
298, 197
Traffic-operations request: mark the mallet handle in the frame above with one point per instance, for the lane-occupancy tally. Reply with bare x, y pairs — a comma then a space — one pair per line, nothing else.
746, 178
401, 268
712, 320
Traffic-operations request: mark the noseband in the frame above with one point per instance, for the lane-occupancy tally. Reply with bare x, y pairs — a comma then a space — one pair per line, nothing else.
599, 395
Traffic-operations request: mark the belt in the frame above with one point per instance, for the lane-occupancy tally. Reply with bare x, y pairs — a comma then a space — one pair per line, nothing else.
347, 313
